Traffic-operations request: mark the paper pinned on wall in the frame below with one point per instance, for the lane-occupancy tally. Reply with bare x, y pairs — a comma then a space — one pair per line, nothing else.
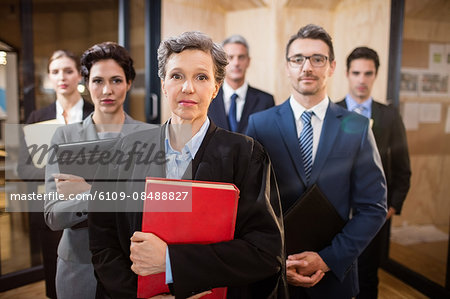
409, 82
430, 113
411, 115
447, 121
437, 59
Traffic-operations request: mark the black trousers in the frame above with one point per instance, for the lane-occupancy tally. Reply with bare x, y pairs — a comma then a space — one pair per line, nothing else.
45, 241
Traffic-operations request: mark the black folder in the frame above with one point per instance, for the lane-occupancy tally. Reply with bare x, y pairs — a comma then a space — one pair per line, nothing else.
311, 223
84, 157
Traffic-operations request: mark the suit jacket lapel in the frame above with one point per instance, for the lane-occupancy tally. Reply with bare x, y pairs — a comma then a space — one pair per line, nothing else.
88, 131
288, 131
376, 116
251, 100
330, 129
219, 112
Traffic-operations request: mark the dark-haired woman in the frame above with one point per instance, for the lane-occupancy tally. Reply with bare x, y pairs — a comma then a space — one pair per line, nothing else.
108, 72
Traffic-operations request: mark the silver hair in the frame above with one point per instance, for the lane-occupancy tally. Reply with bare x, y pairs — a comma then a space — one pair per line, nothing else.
192, 40
236, 39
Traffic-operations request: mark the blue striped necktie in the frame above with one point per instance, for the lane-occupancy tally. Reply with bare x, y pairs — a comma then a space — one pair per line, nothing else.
306, 143
232, 120
360, 109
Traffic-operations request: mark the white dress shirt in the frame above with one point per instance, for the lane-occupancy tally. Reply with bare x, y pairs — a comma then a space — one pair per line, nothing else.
75, 114
240, 100
316, 121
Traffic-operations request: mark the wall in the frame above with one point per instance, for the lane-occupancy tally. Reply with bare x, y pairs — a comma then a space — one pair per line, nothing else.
361, 23
427, 201
350, 23
267, 25
75, 29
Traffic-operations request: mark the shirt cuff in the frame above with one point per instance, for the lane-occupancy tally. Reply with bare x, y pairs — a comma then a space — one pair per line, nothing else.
169, 278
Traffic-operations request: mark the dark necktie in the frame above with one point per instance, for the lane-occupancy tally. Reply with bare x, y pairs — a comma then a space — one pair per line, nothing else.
232, 114
306, 143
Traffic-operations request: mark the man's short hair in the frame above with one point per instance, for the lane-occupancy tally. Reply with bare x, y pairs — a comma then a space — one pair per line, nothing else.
236, 39
363, 53
312, 31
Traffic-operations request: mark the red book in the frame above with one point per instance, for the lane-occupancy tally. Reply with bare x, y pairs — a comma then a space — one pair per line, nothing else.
177, 210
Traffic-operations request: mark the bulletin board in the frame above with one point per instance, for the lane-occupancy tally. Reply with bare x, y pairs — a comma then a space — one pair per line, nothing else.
425, 96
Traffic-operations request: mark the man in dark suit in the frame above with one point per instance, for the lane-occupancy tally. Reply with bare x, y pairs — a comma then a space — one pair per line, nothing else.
236, 100
310, 141
390, 135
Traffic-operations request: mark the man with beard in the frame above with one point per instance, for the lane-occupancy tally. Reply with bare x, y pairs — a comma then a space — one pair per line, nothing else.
312, 141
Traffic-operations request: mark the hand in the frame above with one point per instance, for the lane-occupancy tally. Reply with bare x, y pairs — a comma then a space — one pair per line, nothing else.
148, 254
168, 296
391, 212
311, 263
68, 184
299, 280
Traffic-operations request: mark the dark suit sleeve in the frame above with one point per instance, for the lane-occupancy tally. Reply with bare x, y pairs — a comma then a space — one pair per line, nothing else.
256, 253
400, 169
112, 267
112, 264
251, 129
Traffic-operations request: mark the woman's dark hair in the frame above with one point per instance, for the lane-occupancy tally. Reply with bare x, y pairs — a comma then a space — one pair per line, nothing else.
63, 53
107, 50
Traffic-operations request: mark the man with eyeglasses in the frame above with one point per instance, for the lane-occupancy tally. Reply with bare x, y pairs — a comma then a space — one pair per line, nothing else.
236, 99
312, 141
390, 135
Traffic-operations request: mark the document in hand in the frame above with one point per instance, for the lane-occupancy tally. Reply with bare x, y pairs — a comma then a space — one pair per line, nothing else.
84, 157
311, 223
212, 220
38, 135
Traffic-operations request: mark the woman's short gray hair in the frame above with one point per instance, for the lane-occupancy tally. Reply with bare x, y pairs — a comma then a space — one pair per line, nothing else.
192, 40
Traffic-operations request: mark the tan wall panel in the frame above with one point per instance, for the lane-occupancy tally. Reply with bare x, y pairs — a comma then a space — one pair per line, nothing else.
258, 28
181, 16
424, 30
415, 54
361, 23
427, 200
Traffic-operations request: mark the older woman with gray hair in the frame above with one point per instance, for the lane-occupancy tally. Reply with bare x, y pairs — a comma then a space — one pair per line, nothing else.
192, 68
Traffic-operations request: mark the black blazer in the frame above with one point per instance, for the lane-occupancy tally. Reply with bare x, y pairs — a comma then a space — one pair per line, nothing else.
49, 112
390, 136
256, 100
251, 265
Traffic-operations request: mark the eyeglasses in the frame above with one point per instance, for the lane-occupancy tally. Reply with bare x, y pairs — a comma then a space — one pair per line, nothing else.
316, 60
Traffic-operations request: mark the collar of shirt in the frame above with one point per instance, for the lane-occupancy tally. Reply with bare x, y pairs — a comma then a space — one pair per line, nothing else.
367, 104
75, 114
192, 145
178, 162
316, 121
319, 110
240, 101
